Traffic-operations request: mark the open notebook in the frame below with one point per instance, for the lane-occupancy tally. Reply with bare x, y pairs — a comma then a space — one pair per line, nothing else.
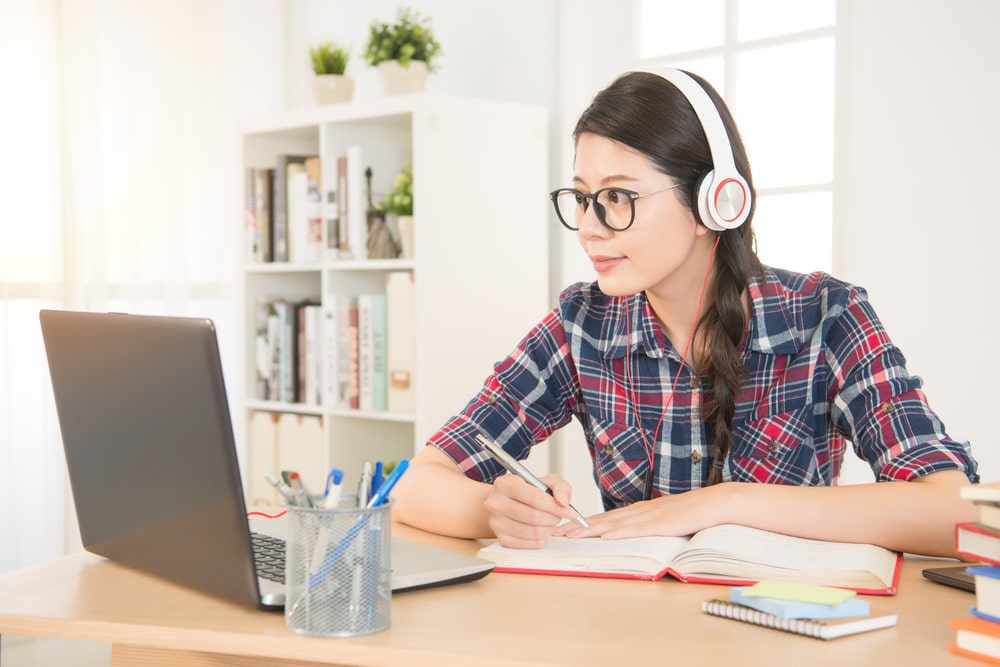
152, 458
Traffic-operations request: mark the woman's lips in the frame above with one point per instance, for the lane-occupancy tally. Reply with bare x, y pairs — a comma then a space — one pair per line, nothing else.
602, 263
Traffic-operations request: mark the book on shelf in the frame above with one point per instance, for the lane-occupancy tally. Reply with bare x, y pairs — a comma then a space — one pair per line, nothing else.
286, 375
976, 638
328, 354
401, 349
977, 542
356, 205
296, 197
259, 184
279, 199
250, 214
287, 355
350, 357
343, 242
818, 629
372, 351
309, 365
315, 241
725, 554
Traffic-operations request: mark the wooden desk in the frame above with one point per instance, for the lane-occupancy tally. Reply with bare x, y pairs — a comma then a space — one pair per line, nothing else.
504, 619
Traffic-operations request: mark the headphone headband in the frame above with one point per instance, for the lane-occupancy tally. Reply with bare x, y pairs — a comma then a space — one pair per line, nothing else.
722, 195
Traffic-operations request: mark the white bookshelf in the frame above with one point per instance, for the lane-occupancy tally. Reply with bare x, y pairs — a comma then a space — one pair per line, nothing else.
480, 262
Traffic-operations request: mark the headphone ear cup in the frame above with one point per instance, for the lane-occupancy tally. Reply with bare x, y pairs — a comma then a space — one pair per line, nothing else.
722, 202
702, 198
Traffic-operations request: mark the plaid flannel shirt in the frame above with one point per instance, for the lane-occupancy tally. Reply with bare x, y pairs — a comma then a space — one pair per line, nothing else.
821, 372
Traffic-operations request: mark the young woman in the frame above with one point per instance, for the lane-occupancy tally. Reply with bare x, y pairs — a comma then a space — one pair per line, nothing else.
711, 389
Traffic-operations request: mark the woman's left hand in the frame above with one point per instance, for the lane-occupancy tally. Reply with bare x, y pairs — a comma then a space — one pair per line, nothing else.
679, 514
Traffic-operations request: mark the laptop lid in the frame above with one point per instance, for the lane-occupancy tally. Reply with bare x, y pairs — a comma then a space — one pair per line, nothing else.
149, 447
152, 460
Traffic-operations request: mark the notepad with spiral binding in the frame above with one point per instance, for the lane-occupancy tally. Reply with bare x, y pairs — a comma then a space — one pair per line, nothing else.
819, 629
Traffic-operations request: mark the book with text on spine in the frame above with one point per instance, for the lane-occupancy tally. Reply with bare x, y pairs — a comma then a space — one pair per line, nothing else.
726, 554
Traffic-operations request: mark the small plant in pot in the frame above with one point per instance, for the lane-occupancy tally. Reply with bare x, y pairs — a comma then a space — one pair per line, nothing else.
403, 51
329, 62
398, 202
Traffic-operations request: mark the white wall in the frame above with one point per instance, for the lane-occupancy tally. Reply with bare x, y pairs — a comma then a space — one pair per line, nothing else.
917, 226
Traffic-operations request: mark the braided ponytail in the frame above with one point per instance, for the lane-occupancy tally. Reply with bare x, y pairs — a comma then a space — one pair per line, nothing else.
722, 327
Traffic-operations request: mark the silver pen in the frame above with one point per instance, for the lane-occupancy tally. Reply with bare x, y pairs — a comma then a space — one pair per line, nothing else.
514, 466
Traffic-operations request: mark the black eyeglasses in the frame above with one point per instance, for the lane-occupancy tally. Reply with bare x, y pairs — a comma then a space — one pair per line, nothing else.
614, 207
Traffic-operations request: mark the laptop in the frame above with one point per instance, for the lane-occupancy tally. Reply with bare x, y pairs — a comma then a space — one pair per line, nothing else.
152, 460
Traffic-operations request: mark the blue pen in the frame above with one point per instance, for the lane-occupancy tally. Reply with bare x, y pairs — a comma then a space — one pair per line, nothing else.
386, 487
377, 477
338, 552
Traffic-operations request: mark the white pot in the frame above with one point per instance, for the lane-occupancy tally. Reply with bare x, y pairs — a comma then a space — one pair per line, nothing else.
332, 88
404, 227
398, 80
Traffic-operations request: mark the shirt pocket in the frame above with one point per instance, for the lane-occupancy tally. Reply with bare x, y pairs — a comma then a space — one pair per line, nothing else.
620, 458
778, 449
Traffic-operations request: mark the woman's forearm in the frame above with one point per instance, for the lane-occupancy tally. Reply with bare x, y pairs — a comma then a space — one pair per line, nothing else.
435, 496
915, 517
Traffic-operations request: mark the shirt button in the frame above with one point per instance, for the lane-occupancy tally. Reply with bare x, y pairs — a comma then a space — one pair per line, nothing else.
609, 449
491, 399
695, 457
693, 383
888, 408
773, 446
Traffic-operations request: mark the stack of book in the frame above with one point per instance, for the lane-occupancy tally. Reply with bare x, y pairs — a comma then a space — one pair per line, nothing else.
820, 612
978, 636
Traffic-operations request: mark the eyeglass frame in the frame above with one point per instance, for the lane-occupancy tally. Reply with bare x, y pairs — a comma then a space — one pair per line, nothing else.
599, 209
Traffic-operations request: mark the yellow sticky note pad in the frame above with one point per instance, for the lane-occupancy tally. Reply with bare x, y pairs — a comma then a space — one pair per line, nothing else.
784, 590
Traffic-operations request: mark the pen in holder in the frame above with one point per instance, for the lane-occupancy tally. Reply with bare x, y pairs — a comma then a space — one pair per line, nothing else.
338, 569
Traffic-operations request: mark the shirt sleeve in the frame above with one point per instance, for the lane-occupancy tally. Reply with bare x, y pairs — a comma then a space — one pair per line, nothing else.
880, 407
528, 395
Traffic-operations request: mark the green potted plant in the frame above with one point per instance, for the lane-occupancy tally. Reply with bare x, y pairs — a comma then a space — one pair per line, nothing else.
403, 51
329, 62
398, 202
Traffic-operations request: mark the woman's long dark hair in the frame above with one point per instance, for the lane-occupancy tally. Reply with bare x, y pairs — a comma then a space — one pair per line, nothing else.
649, 114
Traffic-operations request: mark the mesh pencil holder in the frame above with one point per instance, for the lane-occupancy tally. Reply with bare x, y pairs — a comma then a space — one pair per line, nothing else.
338, 570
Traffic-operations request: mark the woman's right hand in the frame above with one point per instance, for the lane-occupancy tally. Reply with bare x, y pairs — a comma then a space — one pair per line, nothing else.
523, 517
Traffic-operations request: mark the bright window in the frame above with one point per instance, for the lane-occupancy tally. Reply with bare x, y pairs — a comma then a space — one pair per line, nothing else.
773, 62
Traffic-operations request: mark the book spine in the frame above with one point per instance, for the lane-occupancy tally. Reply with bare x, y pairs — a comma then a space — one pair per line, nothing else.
356, 204
298, 219
366, 343
379, 351
250, 214
328, 353
315, 241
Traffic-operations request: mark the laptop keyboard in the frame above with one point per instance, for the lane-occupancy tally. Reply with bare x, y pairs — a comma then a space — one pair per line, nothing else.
269, 557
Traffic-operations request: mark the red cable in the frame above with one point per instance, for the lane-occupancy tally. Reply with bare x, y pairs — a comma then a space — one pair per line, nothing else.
651, 449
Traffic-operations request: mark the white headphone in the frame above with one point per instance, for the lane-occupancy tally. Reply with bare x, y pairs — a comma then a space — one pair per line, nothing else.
722, 195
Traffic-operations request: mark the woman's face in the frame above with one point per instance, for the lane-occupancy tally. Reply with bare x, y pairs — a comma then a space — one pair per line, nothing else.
664, 251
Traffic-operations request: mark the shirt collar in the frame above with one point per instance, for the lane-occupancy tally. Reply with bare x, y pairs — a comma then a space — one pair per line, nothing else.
630, 324
774, 326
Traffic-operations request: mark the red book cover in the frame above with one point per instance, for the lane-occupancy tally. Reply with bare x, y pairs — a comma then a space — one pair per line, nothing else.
977, 542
